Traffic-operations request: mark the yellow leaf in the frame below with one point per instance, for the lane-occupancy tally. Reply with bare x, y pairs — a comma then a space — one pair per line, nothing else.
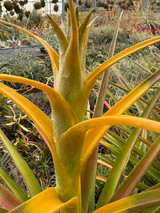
62, 111
54, 57
47, 201
33, 112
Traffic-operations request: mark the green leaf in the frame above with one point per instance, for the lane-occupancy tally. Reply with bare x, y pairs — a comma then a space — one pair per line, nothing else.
3, 210
133, 204
28, 176
7, 199
63, 42
102, 91
83, 39
91, 139
13, 186
70, 81
134, 177
47, 201
122, 159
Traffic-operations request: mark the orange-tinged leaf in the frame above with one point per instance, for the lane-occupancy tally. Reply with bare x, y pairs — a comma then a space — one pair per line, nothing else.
47, 201
134, 204
54, 57
136, 174
122, 159
7, 199
101, 178
17, 191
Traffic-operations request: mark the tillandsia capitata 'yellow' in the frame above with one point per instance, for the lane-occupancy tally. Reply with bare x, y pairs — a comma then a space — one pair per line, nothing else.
70, 138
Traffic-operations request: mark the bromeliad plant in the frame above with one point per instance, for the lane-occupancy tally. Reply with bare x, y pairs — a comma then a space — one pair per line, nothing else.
73, 140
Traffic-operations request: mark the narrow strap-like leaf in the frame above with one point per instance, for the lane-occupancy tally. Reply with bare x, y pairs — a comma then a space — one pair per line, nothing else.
60, 108
7, 199
119, 108
70, 80
126, 187
33, 112
17, 191
83, 39
123, 157
28, 176
78, 130
63, 42
54, 57
3, 210
77, 15
133, 204
47, 201
102, 91
91, 79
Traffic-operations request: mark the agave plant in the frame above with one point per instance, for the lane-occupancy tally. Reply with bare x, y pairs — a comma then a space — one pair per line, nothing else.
72, 140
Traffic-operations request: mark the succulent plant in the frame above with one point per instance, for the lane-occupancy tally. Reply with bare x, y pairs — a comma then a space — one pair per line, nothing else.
56, 7
8, 5
27, 13
37, 5
43, 3
4, 35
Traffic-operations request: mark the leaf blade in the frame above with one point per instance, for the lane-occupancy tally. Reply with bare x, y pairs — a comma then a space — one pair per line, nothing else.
22, 166
51, 200
7, 199
13, 186
134, 203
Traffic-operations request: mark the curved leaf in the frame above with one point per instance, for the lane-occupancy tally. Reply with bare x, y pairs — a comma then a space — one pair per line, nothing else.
28, 176
67, 140
61, 110
54, 57
13, 186
134, 204
7, 199
70, 81
126, 187
91, 79
123, 158
83, 39
63, 42
47, 201
33, 112
93, 136
103, 87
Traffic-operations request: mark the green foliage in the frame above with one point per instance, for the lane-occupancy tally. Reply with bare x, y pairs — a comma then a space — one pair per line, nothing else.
4, 35
37, 5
